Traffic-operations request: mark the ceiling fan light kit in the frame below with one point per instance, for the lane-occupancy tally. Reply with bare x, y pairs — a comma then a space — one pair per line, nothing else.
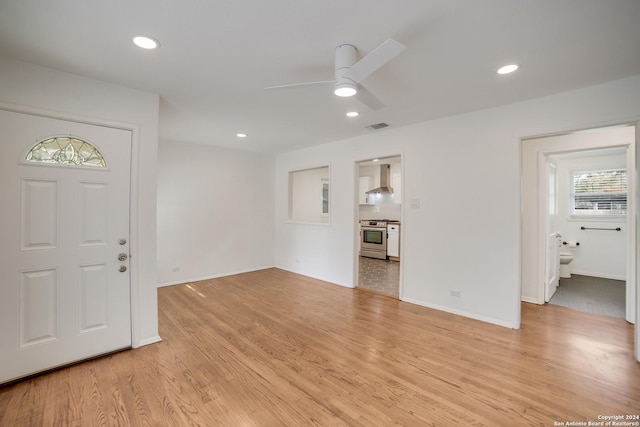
349, 74
345, 89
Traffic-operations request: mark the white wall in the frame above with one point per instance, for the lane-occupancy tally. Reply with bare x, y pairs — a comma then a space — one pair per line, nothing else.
25, 86
600, 253
465, 173
215, 212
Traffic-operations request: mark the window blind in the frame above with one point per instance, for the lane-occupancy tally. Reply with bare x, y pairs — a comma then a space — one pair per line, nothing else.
599, 192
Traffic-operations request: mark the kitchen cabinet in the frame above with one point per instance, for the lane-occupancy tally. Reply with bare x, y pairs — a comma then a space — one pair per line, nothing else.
396, 184
393, 241
366, 184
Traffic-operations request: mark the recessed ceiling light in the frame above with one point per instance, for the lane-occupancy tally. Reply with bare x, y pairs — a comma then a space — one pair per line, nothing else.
241, 135
146, 42
507, 69
352, 114
376, 160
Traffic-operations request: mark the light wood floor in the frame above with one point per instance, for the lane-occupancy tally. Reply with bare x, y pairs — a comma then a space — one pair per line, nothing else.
271, 348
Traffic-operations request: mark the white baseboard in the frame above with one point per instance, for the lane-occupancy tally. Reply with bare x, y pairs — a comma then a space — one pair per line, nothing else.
596, 274
461, 313
216, 276
324, 279
529, 300
147, 341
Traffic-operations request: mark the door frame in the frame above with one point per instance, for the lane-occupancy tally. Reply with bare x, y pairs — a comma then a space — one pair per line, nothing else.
533, 152
134, 227
356, 217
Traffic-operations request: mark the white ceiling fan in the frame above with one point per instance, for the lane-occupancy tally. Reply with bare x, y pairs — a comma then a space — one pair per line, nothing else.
349, 74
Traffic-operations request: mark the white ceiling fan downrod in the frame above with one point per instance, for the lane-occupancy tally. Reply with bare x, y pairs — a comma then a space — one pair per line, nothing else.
344, 60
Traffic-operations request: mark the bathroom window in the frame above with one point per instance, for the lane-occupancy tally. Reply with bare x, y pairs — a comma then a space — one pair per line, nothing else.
601, 193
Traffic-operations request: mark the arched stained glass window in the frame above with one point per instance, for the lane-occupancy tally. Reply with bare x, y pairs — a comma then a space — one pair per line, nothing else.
64, 150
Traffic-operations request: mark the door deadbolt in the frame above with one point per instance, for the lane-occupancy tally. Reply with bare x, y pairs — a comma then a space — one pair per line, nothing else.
122, 268
122, 241
122, 256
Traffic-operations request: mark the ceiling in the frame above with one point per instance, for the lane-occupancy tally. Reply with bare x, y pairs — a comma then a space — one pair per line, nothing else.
216, 57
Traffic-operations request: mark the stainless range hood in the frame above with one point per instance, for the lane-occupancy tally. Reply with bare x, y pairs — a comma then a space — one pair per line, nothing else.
385, 188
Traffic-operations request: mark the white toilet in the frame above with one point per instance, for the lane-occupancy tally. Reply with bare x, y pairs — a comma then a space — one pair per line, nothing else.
565, 259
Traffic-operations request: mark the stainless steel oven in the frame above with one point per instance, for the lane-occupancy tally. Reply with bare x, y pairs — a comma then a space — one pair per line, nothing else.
373, 239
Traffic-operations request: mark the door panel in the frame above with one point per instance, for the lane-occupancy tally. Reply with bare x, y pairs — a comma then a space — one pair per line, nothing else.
553, 266
552, 237
93, 214
93, 297
38, 310
38, 220
62, 296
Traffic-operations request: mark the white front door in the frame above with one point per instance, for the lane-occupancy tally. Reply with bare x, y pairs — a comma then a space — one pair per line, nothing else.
63, 296
553, 238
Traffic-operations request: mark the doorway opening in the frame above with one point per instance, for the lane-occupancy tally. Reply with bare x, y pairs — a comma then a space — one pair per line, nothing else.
549, 225
588, 214
379, 213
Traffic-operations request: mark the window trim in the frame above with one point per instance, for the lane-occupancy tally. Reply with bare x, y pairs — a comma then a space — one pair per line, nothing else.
600, 216
315, 192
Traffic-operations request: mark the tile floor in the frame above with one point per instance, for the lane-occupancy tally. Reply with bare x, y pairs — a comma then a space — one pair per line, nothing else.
592, 294
379, 275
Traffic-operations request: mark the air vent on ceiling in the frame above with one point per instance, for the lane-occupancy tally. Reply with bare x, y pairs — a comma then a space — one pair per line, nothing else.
377, 126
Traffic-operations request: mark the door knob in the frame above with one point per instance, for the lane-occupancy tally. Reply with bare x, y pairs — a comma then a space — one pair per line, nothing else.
122, 268
122, 256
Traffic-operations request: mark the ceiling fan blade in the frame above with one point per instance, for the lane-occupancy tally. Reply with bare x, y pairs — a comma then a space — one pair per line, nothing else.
300, 84
368, 99
374, 60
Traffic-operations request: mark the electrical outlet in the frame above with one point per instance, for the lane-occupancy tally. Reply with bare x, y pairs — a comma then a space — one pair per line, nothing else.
454, 293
